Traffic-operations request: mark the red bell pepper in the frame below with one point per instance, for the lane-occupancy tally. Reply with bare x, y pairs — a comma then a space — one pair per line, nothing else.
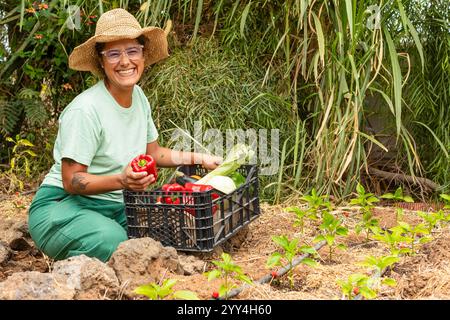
169, 188
144, 162
172, 187
188, 188
168, 200
193, 187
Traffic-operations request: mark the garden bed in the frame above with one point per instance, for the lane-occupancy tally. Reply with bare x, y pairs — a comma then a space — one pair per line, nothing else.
425, 275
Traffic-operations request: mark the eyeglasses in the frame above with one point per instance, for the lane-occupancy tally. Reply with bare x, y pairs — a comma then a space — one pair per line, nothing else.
114, 55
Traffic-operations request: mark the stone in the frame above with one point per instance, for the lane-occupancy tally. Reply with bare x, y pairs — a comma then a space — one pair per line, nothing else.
89, 277
142, 261
33, 285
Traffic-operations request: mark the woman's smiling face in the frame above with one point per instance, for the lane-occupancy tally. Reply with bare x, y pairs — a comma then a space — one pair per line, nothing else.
126, 72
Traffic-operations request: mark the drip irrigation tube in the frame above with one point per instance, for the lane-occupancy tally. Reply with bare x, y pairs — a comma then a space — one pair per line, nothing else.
269, 277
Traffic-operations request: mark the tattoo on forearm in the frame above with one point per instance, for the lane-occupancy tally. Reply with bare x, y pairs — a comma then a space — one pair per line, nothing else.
78, 182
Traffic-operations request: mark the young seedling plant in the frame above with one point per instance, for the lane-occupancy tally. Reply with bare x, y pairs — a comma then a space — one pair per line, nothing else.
300, 216
290, 251
368, 286
394, 239
226, 270
316, 204
398, 196
432, 219
378, 265
331, 228
410, 233
366, 202
364, 285
154, 291
357, 284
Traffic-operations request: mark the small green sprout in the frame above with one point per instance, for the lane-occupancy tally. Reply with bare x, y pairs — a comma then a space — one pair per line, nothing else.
155, 292
366, 202
291, 249
227, 270
331, 228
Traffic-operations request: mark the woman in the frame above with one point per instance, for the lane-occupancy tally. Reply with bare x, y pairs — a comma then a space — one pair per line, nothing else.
79, 207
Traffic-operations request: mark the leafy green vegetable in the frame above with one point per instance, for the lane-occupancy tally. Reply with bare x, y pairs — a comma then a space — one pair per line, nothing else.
236, 157
237, 178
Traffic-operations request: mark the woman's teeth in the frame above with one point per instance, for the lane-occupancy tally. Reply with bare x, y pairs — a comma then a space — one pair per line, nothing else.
126, 72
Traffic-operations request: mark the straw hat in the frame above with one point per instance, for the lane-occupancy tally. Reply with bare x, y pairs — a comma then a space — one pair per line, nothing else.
115, 25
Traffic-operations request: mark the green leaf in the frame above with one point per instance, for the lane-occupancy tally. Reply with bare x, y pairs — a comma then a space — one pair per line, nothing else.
31, 153
307, 249
25, 142
244, 18
169, 283
397, 79
443, 148
309, 262
147, 290
214, 274
404, 225
349, 11
342, 231
408, 199
320, 37
319, 238
425, 240
356, 277
398, 193
237, 178
185, 295
282, 241
164, 292
330, 239
274, 259
360, 189
409, 26
296, 210
372, 139
197, 19
368, 293
223, 291
245, 278
388, 261
389, 282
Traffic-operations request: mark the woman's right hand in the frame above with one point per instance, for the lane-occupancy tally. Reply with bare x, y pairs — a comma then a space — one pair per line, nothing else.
135, 181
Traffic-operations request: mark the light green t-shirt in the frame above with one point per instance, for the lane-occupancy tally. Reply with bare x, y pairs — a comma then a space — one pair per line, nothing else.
96, 131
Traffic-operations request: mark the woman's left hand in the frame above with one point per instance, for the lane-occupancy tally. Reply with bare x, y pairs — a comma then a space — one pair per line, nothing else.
211, 162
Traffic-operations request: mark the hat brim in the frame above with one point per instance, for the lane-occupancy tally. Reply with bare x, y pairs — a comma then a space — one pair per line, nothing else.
85, 58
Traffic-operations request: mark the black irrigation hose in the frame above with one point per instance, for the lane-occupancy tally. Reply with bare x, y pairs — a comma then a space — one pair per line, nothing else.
269, 277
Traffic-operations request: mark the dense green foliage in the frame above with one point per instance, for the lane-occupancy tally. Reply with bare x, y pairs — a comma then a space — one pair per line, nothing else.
348, 92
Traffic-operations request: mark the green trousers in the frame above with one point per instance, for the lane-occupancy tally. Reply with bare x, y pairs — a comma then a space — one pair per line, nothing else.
64, 225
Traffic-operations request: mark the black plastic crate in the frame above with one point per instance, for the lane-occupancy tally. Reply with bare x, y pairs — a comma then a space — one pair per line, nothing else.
199, 222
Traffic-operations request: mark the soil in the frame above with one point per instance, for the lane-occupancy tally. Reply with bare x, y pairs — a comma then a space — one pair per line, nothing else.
425, 275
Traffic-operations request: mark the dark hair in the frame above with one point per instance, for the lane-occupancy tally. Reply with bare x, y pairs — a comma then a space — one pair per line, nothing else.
99, 46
